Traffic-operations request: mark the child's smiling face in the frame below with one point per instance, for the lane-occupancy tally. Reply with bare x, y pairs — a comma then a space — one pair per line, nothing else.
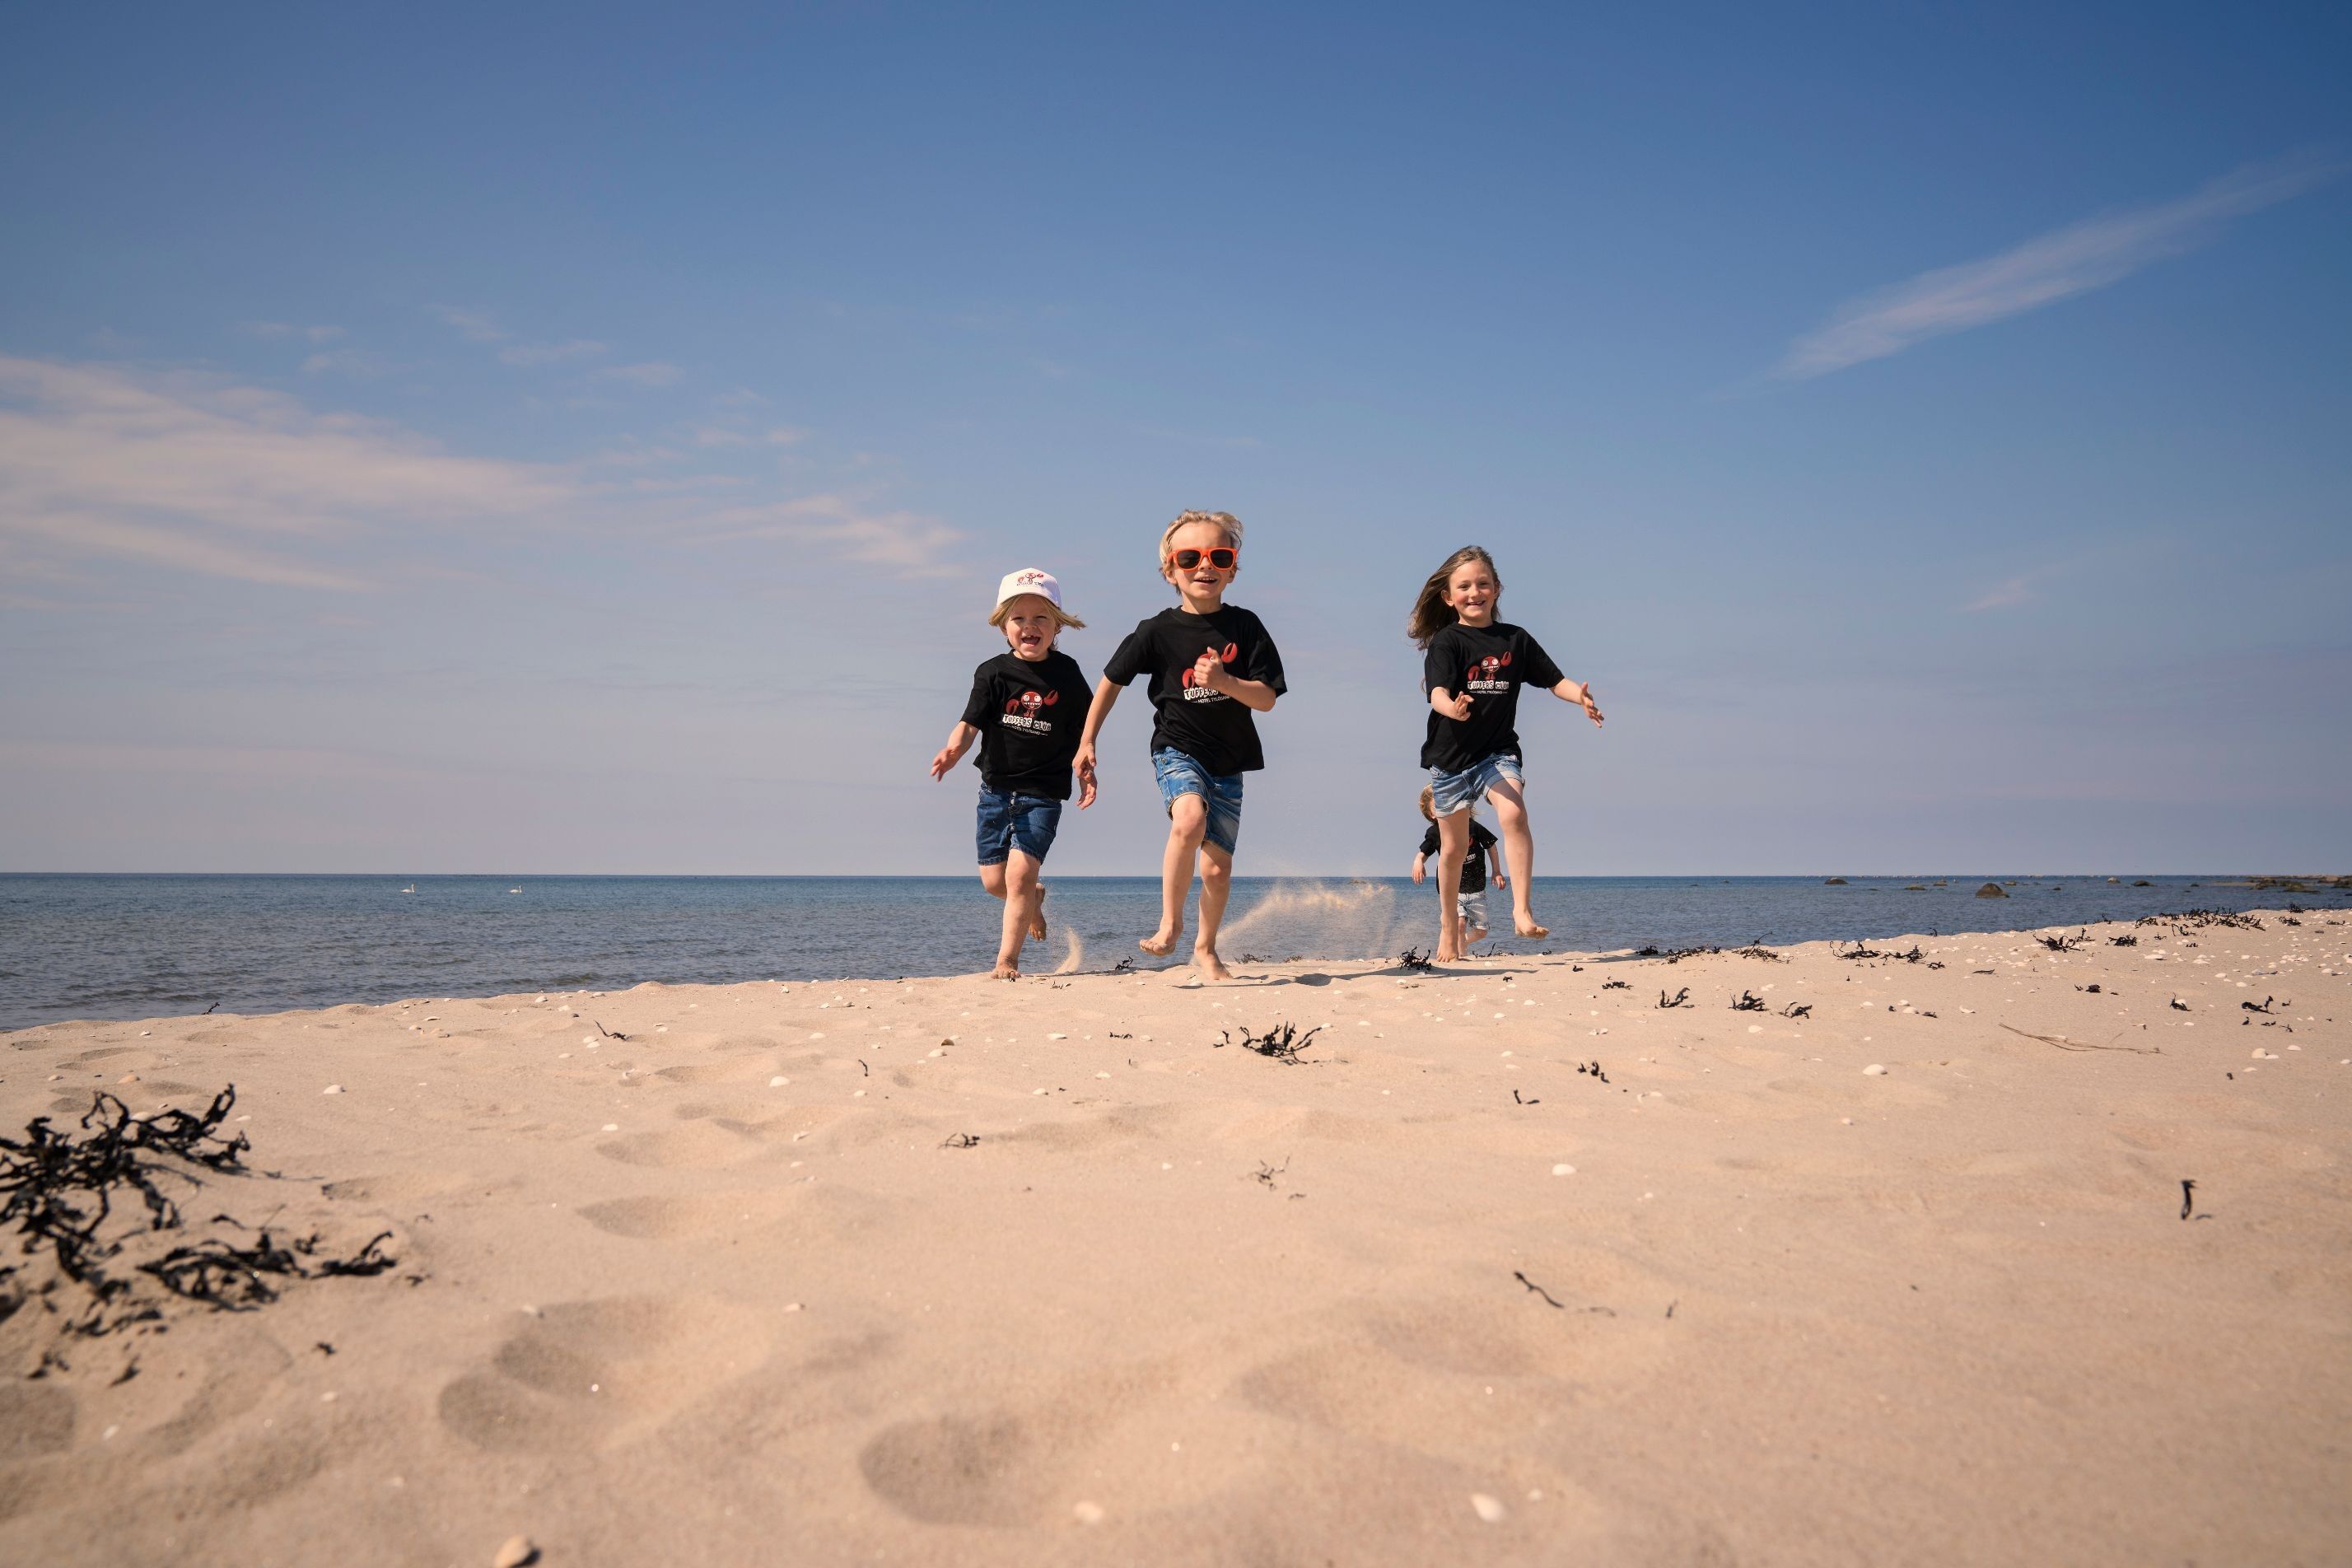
1203, 585
1471, 591
1030, 626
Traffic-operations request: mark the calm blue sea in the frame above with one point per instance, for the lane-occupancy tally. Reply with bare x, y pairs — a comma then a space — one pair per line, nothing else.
141, 946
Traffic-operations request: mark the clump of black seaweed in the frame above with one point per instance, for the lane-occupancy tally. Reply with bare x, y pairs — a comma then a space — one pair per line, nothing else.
1283, 1042
63, 1192
2188, 921
1860, 949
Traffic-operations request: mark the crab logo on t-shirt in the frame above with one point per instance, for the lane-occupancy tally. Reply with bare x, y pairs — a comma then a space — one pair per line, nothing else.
1486, 675
1026, 711
1193, 693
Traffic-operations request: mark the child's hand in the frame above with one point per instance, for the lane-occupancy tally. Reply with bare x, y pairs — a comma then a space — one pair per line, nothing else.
943, 761
1206, 669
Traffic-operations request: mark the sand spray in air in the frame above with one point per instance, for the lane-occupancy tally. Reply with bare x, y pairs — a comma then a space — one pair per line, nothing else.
1319, 920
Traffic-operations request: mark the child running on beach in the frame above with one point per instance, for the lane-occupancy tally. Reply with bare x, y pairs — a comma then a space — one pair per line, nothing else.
1475, 666
1472, 899
1024, 711
1213, 668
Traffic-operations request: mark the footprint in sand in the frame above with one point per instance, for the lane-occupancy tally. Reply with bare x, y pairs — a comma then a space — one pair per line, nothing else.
698, 1144
586, 1375
991, 1469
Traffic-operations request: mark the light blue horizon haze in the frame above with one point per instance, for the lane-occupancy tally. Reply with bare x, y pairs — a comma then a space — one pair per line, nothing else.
536, 440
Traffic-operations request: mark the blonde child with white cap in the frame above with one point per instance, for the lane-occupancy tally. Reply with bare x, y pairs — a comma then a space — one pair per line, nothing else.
1027, 707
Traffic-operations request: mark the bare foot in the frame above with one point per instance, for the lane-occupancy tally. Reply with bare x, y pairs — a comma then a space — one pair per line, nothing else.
1528, 928
1161, 942
1006, 970
1210, 966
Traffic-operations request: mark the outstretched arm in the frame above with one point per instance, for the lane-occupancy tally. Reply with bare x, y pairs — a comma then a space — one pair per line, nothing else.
1106, 692
960, 740
1580, 693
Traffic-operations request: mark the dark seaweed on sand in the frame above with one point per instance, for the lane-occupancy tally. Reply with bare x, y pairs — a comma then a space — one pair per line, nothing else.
1283, 1042
1860, 950
62, 1189
2188, 921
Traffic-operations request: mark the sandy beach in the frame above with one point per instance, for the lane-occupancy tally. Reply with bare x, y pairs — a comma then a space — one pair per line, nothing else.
1511, 1264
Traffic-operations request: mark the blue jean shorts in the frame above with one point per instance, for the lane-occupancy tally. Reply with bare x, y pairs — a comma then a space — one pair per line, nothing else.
1010, 822
1449, 793
1179, 773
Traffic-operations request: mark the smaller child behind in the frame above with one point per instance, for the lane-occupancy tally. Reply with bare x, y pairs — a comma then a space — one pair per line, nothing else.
1026, 706
1471, 900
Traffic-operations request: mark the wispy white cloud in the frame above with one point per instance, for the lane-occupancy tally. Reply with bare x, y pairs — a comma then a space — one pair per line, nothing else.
349, 362
550, 353
2056, 265
2015, 591
192, 474
288, 330
653, 373
474, 326
906, 544
227, 481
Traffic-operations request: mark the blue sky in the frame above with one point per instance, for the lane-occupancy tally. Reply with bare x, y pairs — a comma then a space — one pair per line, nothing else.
511, 439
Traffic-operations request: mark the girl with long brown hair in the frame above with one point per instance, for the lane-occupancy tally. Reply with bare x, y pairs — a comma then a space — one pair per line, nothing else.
1474, 668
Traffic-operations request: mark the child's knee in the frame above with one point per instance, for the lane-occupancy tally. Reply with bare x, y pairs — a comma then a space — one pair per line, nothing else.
1188, 817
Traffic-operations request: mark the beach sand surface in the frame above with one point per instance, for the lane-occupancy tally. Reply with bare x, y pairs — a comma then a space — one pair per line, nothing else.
1513, 1266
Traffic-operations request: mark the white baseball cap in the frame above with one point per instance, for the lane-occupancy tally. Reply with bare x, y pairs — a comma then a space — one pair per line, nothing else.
1029, 580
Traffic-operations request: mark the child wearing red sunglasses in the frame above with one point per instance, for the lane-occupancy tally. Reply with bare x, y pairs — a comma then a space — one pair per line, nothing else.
1212, 670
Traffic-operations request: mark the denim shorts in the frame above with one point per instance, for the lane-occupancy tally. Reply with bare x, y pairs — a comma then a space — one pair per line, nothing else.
1010, 822
1449, 793
1179, 773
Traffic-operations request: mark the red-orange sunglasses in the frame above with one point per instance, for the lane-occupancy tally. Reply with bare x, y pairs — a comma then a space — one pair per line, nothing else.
1220, 558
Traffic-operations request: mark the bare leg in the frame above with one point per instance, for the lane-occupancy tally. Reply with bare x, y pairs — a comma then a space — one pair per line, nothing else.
1216, 886
1188, 822
1021, 894
1453, 844
1520, 841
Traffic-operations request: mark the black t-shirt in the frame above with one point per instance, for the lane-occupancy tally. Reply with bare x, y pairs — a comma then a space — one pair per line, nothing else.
1207, 726
1473, 864
1489, 664
1029, 716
